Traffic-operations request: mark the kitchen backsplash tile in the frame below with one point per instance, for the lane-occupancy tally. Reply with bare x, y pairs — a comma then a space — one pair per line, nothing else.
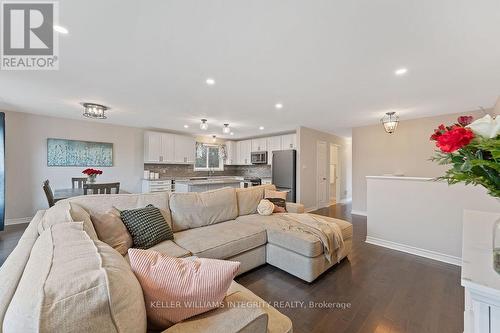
183, 170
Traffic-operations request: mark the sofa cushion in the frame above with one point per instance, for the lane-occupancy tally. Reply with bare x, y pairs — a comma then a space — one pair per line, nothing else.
221, 241
111, 230
147, 226
194, 210
250, 197
171, 249
63, 212
229, 317
300, 242
194, 285
94, 204
72, 283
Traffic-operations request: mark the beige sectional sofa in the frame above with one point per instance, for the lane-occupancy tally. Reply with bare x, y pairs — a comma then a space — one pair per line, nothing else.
220, 224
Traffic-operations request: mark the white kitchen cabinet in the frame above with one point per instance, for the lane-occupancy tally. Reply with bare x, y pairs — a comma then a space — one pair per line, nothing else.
244, 152
152, 147
149, 186
259, 144
167, 148
273, 144
158, 147
289, 141
184, 147
232, 153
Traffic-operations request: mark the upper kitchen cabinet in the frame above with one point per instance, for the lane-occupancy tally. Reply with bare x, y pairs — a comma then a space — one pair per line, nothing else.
289, 141
244, 152
158, 147
184, 149
167, 148
259, 144
273, 144
232, 153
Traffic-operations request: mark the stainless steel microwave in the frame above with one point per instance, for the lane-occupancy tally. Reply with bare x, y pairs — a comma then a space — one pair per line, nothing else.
259, 157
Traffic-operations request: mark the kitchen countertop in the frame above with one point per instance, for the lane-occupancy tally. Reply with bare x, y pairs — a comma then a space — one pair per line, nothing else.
208, 181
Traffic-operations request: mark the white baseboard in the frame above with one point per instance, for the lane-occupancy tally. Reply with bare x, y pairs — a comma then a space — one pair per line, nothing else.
310, 209
415, 250
20, 220
345, 200
359, 212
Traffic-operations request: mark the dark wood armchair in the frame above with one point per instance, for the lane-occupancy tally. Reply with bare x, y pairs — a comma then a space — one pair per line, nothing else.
48, 193
101, 188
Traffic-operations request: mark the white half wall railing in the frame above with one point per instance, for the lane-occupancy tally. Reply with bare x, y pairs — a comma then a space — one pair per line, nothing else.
421, 216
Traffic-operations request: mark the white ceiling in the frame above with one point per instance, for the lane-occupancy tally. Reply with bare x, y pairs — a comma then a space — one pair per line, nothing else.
331, 63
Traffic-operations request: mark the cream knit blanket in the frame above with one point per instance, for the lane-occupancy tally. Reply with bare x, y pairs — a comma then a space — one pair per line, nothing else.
328, 233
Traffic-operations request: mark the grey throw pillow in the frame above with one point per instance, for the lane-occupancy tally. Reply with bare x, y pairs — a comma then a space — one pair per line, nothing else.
147, 226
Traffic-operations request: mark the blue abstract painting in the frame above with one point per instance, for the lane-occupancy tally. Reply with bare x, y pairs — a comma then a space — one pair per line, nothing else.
62, 152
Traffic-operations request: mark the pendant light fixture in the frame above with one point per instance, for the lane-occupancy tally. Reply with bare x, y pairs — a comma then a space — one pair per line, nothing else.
214, 138
204, 124
94, 111
226, 129
390, 122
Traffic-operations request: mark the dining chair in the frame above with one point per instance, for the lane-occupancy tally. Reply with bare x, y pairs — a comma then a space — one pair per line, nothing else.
101, 188
78, 182
48, 193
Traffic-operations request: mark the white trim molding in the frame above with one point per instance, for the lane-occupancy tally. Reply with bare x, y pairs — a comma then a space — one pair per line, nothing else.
311, 209
19, 220
359, 212
415, 250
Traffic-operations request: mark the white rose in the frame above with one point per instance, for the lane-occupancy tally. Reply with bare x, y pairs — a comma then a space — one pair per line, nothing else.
487, 126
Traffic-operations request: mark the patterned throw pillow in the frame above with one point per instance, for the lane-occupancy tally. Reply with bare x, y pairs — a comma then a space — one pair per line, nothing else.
147, 226
279, 205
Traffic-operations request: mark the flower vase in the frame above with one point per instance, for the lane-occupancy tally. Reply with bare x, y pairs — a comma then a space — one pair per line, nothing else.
91, 179
496, 246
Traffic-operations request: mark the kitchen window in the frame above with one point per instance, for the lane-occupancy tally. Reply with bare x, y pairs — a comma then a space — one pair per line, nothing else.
208, 158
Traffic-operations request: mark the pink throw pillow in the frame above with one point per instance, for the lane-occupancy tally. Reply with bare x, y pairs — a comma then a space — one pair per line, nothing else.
179, 288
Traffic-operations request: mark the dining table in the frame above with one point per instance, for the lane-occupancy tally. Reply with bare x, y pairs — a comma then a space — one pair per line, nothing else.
65, 193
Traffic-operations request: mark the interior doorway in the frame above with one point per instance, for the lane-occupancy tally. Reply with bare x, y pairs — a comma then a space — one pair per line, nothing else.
322, 175
334, 186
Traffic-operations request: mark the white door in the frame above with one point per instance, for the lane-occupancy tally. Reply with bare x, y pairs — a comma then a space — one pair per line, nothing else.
334, 175
322, 177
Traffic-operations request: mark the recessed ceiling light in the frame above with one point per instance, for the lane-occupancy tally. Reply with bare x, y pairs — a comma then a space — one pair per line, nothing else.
186, 126
61, 30
401, 71
210, 81
261, 128
278, 106
232, 133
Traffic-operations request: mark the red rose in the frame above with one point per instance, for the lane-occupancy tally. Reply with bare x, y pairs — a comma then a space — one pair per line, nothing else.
465, 120
438, 132
454, 139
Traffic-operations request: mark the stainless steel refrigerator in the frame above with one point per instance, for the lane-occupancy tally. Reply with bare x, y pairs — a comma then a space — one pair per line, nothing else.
284, 172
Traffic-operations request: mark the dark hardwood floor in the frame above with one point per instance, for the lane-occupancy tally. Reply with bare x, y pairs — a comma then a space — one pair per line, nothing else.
9, 238
388, 291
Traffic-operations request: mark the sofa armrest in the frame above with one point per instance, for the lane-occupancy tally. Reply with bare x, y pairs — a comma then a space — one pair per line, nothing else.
292, 207
237, 315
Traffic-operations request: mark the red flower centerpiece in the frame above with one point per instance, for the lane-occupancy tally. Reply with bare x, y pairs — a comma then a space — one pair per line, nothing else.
91, 174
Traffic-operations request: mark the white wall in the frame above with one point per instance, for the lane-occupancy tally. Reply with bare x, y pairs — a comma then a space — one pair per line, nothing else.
421, 216
406, 151
307, 140
26, 158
